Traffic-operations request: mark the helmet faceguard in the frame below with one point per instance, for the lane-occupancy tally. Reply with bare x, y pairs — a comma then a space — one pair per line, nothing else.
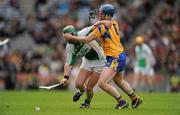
106, 10
93, 13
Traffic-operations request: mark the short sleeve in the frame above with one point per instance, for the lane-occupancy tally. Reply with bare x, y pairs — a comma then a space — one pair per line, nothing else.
70, 56
85, 31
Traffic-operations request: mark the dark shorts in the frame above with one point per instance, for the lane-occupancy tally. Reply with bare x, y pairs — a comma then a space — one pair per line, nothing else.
116, 63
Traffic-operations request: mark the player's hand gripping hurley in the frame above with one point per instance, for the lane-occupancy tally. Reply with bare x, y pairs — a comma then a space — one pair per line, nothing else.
63, 82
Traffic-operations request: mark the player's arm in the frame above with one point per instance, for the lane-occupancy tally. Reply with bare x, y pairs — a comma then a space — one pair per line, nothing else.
67, 70
150, 55
107, 23
70, 61
84, 39
96, 33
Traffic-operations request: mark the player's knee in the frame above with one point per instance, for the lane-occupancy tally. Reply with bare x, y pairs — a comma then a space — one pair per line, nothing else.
78, 85
102, 84
117, 80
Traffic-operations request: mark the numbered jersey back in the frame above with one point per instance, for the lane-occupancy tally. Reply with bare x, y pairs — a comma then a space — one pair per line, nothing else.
109, 39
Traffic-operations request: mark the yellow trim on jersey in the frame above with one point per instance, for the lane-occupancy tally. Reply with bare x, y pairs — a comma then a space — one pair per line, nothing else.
109, 39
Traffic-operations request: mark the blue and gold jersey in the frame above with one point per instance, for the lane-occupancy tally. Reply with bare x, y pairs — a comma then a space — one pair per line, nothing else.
109, 39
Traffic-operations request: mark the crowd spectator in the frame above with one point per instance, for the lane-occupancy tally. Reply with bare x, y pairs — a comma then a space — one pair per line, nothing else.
11, 18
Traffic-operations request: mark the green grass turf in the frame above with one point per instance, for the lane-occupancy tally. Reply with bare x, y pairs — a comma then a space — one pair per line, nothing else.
60, 103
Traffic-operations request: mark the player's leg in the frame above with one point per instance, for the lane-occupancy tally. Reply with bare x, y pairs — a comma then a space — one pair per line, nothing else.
96, 67
125, 86
120, 82
106, 75
143, 75
136, 78
90, 85
150, 79
118, 79
80, 83
93, 79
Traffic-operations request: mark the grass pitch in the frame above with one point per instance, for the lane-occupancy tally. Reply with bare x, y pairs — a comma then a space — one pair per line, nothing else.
60, 103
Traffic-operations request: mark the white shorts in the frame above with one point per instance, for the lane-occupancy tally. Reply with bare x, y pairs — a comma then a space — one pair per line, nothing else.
148, 71
93, 65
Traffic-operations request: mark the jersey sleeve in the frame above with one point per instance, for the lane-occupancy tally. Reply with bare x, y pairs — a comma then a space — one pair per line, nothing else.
150, 55
148, 50
85, 31
70, 56
97, 31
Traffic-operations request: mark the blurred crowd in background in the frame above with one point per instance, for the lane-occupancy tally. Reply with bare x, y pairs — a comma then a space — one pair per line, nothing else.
35, 55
